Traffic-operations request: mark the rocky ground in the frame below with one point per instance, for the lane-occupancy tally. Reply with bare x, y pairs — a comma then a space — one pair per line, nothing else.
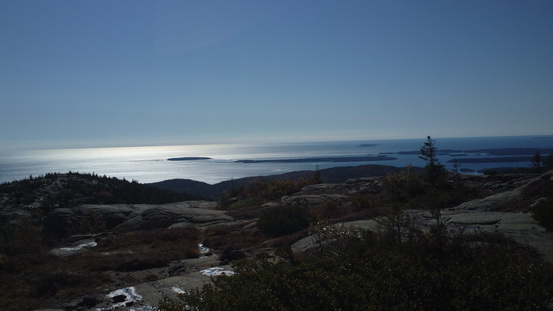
507, 210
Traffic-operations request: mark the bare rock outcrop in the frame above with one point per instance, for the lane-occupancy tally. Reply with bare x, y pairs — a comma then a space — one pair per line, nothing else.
337, 193
128, 217
492, 201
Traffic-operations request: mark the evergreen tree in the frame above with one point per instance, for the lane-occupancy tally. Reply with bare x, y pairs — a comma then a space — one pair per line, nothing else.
434, 172
456, 165
429, 153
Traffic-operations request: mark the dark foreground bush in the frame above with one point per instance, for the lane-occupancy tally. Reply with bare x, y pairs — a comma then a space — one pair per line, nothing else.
282, 220
463, 272
543, 213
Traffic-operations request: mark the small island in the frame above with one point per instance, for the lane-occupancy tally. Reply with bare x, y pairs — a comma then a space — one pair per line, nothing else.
189, 159
328, 159
490, 152
368, 145
492, 160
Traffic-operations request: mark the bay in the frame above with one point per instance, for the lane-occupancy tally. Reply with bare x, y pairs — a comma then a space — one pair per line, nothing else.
213, 163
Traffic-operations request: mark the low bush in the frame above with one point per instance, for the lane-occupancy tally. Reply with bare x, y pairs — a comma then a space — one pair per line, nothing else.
366, 272
540, 188
410, 190
251, 201
543, 213
53, 283
143, 263
21, 237
282, 220
364, 200
149, 249
232, 237
262, 191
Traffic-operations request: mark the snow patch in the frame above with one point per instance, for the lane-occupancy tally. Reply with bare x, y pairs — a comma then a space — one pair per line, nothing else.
178, 290
203, 250
217, 271
130, 296
78, 247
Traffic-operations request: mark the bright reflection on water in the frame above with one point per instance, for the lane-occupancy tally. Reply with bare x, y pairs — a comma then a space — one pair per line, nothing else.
144, 164
149, 164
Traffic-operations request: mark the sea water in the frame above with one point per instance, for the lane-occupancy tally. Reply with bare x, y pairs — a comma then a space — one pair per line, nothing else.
151, 164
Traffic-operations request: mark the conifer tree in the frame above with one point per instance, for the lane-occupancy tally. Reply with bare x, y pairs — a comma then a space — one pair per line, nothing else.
429, 153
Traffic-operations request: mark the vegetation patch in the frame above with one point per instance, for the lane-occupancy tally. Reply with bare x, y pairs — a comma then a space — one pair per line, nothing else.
262, 191
140, 250
282, 220
233, 237
71, 189
543, 213
31, 278
371, 272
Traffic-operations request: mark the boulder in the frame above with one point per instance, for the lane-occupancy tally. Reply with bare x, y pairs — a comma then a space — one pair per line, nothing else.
492, 201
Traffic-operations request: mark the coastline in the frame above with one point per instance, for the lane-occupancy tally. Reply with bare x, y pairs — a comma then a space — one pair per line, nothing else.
326, 159
216, 163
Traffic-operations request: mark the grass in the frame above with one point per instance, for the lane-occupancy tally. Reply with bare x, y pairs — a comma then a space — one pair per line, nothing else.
34, 279
234, 237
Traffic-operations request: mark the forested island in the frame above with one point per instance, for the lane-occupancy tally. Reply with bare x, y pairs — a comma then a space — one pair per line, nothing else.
323, 159
188, 159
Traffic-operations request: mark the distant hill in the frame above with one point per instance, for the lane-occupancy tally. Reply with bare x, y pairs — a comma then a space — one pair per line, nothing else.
71, 189
329, 175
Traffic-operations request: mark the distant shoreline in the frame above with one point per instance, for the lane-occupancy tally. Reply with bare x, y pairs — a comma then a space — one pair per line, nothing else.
326, 159
493, 151
215, 163
189, 159
368, 145
491, 160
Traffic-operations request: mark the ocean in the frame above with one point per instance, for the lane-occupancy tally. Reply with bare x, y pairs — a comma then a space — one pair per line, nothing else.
151, 164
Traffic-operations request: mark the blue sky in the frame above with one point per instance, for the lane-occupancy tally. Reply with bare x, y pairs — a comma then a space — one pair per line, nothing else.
89, 73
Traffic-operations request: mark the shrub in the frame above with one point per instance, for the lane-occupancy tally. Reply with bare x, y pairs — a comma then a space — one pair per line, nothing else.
282, 220
402, 188
543, 213
22, 237
93, 223
261, 191
363, 200
466, 272
251, 201
150, 249
223, 237
51, 282
409, 189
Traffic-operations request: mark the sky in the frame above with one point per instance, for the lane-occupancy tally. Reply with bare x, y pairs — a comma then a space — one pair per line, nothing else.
133, 72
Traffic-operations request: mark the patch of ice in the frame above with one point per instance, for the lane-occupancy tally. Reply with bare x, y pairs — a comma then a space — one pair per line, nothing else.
217, 271
124, 252
203, 250
178, 290
130, 296
78, 247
